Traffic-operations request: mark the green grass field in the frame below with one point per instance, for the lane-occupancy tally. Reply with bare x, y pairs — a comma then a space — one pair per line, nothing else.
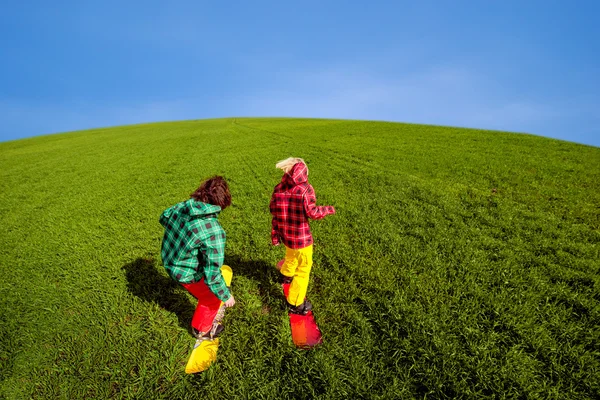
460, 263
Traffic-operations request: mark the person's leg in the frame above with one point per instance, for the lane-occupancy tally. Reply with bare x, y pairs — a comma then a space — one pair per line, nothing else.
207, 308
290, 263
299, 285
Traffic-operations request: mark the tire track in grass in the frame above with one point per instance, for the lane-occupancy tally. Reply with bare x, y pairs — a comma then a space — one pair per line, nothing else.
263, 151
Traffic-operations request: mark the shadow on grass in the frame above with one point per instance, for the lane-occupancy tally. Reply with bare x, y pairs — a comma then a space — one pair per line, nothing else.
145, 281
265, 274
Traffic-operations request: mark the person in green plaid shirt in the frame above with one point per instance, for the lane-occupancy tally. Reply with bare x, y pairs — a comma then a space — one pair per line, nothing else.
193, 249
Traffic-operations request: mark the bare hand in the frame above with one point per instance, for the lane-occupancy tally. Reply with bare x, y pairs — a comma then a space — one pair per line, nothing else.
230, 302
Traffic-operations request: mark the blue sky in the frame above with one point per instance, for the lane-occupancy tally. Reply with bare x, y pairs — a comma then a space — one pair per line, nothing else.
521, 66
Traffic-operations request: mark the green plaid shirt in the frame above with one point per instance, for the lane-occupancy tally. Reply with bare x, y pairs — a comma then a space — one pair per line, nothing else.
193, 245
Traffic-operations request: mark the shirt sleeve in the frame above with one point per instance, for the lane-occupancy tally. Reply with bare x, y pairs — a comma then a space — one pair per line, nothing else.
274, 222
310, 207
215, 253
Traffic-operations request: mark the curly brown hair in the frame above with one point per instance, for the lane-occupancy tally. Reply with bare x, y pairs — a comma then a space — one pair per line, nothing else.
213, 191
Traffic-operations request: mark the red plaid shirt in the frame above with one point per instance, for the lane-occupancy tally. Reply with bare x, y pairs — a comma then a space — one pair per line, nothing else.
292, 204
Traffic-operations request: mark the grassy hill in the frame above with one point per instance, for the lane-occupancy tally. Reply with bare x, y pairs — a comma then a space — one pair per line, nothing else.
460, 263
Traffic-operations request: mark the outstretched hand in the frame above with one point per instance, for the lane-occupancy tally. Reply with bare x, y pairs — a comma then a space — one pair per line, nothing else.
230, 302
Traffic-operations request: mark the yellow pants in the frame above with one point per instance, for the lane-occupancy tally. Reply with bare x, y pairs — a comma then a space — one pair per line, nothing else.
297, 264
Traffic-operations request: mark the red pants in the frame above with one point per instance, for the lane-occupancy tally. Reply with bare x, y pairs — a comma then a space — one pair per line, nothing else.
208, 305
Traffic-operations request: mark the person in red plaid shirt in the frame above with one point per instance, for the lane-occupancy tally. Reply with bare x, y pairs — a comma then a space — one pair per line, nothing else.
293, 203
193, 249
